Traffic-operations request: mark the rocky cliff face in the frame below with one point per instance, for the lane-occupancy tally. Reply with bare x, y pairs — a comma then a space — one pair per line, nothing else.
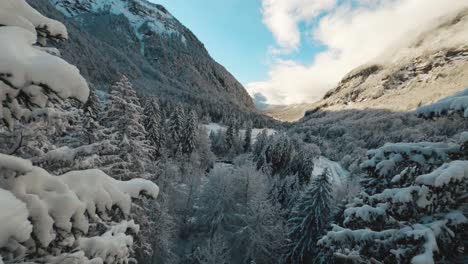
430, 66
145, 42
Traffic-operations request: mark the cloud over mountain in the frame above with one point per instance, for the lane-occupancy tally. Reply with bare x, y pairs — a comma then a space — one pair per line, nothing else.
354, 32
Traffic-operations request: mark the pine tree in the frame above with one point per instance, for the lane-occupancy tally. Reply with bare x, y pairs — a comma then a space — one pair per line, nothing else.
278, 155
190, 133
153, 126
248, 138
260, 144
176, 129
124, 120
230, 137
90, 120
303, 162
309, 218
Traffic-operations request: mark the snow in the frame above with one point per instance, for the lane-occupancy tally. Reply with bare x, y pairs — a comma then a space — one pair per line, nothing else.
100, 193
50, 203
138, 187
455, 171
67, 154
28, 65
338, 175
43, 216
65, 203
26, 69
12, 163
366, 213
445, 106
13, 219
464, 137
342, 234
385, 159
139, 13
20, 14
112, 246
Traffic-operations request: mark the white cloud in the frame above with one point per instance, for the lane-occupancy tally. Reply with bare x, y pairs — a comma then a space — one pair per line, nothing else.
354, 33
282, 17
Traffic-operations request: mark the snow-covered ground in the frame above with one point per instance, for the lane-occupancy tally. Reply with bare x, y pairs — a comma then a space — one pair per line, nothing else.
215, 127
338, 175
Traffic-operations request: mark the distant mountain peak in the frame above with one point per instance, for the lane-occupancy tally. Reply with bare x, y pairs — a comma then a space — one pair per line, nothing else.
145, 17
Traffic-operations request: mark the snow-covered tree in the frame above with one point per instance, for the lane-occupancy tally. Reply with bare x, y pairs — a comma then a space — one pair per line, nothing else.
91, 125
190, 133
261, 237
414, 215
26, 89
124, 120
455, 104
216, 202
153, 125
309, 219
176, 128
230, 137
216, 250
248, 138
302, 163
278, 155
235, 203
260, 144
398, 164
81, 215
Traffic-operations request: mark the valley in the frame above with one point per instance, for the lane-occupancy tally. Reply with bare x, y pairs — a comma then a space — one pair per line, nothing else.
123, 141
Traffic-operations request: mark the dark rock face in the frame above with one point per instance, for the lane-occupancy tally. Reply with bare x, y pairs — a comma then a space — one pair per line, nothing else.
144, 41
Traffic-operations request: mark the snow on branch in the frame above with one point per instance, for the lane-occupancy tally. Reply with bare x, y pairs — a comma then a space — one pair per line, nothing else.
384, 161
454, 172
410, 219
14, 219
20, 14
446, 106
30, 77
58, 208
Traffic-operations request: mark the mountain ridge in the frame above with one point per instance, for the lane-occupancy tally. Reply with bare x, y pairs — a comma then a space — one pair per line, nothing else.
145, 42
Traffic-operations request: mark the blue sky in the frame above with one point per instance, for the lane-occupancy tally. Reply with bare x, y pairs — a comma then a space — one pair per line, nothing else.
233, 33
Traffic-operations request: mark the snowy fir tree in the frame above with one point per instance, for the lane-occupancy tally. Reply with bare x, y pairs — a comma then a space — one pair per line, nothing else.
308, 220
153, 125
414, 211
124, 120
260, 145
248, 138
230, 136
277, 155
190, 133
91, 121
176, 127
303, 162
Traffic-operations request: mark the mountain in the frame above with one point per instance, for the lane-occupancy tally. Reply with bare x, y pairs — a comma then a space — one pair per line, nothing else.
417, 71
145, 42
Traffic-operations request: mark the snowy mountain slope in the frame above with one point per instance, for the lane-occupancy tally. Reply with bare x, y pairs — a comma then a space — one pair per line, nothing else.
145, 42
430, 66
143, 16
